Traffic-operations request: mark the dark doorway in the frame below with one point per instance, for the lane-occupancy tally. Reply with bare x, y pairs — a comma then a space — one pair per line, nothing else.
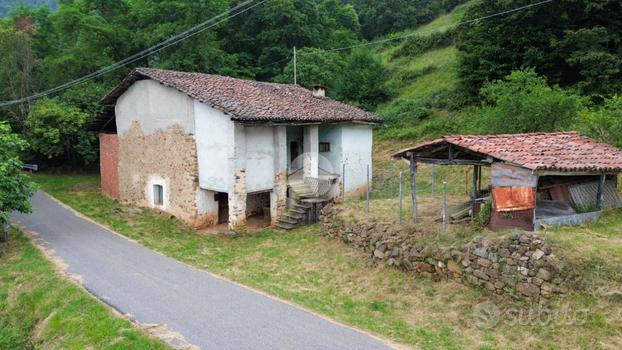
223, 207
293, 151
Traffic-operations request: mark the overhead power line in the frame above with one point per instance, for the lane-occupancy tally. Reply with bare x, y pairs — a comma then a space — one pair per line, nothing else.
210, 23
214, 21
416, 33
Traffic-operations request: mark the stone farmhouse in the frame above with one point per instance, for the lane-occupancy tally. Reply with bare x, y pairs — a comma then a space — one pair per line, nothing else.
212, 149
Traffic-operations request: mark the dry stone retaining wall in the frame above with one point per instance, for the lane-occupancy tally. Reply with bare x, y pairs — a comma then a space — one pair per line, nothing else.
521, 265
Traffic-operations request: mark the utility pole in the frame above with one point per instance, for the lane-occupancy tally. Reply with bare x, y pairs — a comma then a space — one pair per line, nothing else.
295, 73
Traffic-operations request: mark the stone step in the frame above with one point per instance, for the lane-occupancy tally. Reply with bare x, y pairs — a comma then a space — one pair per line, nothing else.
300, 188
294, 216
285, 226
308, 201
304, 193
285, 219
298, 210
302, 206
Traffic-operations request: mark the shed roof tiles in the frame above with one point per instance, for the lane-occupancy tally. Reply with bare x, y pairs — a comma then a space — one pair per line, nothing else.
553, 151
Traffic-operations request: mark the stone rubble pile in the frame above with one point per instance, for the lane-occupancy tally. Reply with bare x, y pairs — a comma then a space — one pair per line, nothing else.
521, 265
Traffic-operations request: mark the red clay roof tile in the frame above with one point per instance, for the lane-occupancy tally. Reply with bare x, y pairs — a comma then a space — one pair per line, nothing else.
248, 100
555, 151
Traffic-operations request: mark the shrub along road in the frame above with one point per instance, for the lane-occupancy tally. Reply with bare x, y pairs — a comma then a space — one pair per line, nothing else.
208, 311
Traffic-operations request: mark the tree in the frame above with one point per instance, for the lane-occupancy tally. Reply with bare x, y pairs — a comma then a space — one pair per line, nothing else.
381, 17
313, 67
154, 21
524, 102
363, 80
15, 189
270, 32
355, 77
573, 43
57, 130
605, 122
16, 65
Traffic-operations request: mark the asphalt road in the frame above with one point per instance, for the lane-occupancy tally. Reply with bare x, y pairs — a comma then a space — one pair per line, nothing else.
207, 311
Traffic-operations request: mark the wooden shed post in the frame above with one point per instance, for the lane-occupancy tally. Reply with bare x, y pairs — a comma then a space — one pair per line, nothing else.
413, 185
401, 197
476, 173
600, 194
476, 170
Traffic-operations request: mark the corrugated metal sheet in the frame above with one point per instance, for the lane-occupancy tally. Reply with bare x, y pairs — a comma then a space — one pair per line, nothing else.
513, 198
584, 195
507, 175
574, 219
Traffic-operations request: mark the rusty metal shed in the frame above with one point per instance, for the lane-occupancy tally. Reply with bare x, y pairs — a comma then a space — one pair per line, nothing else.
536, 178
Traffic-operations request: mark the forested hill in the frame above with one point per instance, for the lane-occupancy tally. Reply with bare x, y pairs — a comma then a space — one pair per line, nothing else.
549, 65
7, 5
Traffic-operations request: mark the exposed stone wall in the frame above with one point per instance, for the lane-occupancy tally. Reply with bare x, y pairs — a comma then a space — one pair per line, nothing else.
237, 200
521, 265
168, 156
109, 164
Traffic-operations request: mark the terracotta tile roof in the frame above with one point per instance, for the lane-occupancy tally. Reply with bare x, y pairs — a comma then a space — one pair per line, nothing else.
556, 151
248, 100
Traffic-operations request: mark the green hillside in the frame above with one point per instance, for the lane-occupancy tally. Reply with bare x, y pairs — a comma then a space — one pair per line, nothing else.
434, 69
422, 78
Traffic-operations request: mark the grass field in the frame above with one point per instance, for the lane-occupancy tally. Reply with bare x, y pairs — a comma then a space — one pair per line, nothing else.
332, 278
40, 309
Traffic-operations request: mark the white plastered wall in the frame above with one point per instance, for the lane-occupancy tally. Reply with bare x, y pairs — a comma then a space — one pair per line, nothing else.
155, 107
214, 139
260, 150
356, 143
332, 161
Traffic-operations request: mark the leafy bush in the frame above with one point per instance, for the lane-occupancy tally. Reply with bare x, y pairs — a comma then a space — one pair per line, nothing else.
605, 122
15, 189
419, 44
451, 99
483, 217
402, 112
524, 102
56, 129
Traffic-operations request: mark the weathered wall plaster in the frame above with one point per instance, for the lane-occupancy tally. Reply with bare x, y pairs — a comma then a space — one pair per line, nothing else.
278, 196
166, 157
237, 190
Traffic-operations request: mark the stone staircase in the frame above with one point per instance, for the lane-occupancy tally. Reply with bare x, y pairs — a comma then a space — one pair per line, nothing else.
303, 200
297, 215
